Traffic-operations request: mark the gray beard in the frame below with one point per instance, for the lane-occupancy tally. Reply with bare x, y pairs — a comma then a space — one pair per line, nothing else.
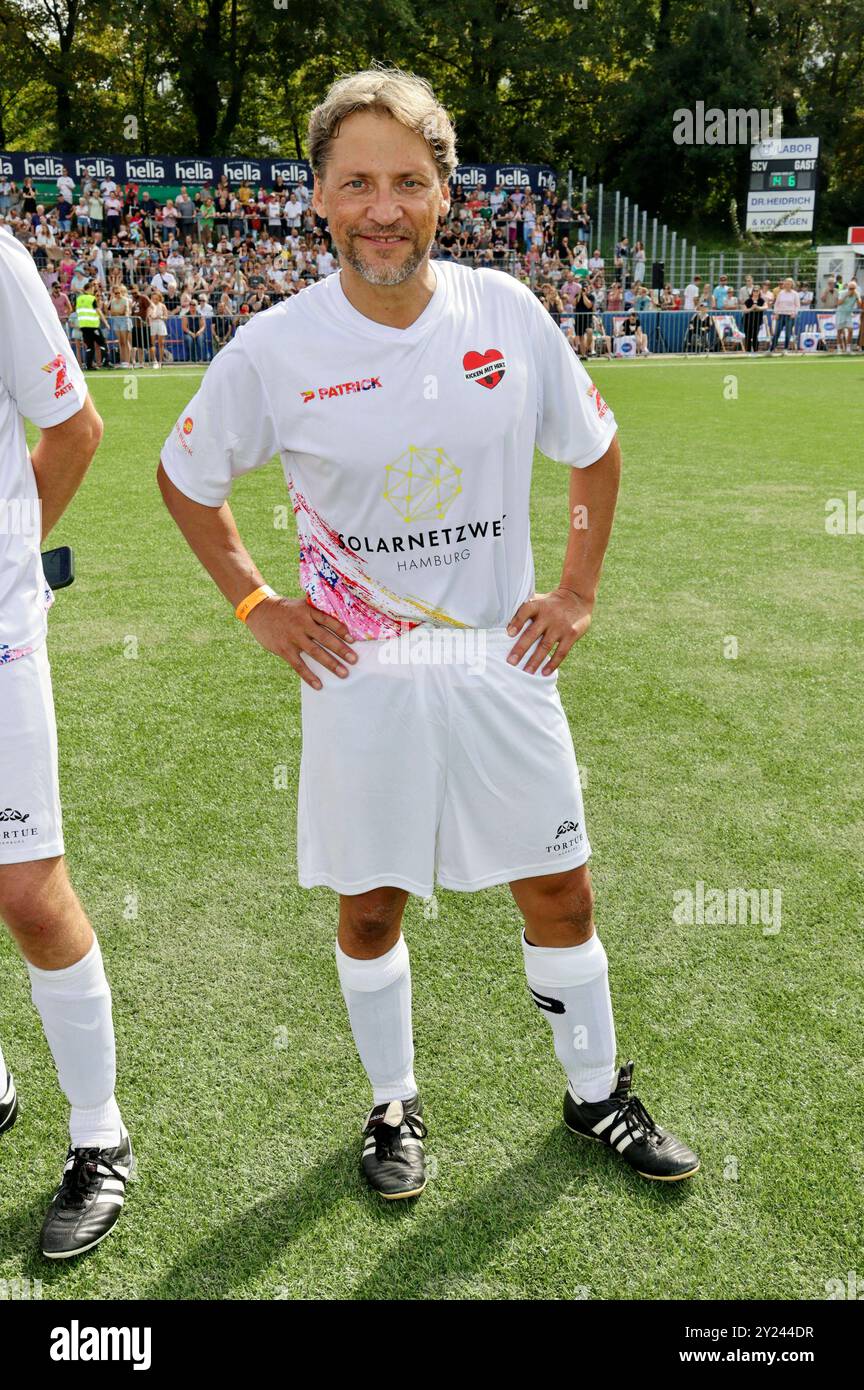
384, 274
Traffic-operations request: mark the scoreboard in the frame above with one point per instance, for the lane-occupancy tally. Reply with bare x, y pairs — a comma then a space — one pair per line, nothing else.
784, 178
766, 174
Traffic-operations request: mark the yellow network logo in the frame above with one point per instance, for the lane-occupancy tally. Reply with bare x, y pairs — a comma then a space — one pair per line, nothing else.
421, 484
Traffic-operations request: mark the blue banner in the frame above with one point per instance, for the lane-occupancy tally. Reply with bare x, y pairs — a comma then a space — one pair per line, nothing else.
171, 171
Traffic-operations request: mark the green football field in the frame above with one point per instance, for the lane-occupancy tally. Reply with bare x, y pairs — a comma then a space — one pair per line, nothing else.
716, 710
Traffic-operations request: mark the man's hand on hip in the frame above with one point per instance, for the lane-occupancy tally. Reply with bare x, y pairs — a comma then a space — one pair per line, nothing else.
290, 627
558, 620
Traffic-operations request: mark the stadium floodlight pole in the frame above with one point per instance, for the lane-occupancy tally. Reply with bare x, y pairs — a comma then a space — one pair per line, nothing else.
599, 241
635, 223
663, 248
644, 237
683, 260
584, 188
653, 240
672, 257
625, 220
617, 208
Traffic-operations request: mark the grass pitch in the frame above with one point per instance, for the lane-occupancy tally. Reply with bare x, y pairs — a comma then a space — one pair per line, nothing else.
180, 748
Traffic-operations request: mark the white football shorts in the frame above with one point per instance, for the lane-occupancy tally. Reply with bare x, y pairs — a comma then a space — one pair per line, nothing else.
30, 818
435, 759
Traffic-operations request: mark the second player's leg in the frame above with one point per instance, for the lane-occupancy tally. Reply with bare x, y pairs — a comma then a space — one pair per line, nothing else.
71, 993
41, 910
69, 989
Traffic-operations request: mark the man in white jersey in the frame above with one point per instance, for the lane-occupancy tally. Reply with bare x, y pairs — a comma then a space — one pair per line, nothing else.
405, 400
41, 381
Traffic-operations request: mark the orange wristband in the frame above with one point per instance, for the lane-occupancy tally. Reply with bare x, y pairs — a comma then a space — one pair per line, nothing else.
243, 609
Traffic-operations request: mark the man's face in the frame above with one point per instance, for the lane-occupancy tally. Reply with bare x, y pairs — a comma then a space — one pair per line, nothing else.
381, 196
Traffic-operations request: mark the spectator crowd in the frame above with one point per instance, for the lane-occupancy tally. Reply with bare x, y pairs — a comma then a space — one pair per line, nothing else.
132, 276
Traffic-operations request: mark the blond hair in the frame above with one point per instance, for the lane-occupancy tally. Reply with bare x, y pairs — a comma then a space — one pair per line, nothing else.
406, 97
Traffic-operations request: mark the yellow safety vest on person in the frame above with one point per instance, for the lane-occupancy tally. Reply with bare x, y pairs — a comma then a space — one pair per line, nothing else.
85, 308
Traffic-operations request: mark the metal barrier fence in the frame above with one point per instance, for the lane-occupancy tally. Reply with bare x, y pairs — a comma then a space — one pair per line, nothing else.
670, 330
666, 331
614, 215
138, 343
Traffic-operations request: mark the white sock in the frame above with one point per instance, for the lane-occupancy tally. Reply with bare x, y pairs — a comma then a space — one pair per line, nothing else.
571, 985
378, 996
75, 1007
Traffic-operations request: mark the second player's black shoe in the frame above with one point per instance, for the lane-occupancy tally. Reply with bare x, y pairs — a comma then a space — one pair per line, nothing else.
393, 1160
8, 1105
88, 1201
623, 1123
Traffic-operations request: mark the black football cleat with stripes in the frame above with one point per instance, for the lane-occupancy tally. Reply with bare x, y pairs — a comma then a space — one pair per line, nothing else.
8, 1104
393, 1161
88, 1201
623, 1123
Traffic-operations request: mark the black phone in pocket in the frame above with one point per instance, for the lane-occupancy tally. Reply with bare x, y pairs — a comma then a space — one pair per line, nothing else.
59, 567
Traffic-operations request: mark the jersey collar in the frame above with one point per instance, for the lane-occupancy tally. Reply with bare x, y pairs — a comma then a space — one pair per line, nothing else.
382, 331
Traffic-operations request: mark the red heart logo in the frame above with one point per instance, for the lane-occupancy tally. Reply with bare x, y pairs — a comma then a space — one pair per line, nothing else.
481, 367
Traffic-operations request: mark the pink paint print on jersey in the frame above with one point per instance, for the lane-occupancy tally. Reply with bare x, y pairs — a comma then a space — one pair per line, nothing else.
8, 653
336, 582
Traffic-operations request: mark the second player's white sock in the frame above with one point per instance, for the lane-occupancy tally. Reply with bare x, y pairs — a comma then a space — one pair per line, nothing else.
571, 985
75, 1007
378, 997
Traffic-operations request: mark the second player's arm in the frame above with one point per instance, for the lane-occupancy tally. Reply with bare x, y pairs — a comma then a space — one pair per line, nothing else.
287, 627
61, 458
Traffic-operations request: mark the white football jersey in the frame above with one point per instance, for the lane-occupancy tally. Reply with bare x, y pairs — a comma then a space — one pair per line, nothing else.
407, 451
41, 381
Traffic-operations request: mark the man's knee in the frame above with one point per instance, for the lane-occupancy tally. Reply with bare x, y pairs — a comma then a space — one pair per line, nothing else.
559, 911
37, 899
574, 908
372, 918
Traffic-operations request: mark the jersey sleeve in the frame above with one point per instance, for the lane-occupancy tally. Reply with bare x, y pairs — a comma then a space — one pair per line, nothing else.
574, 424
37, 364
227, 429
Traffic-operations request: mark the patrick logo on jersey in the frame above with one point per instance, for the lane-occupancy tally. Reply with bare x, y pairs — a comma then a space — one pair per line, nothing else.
62, 384
343, 388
